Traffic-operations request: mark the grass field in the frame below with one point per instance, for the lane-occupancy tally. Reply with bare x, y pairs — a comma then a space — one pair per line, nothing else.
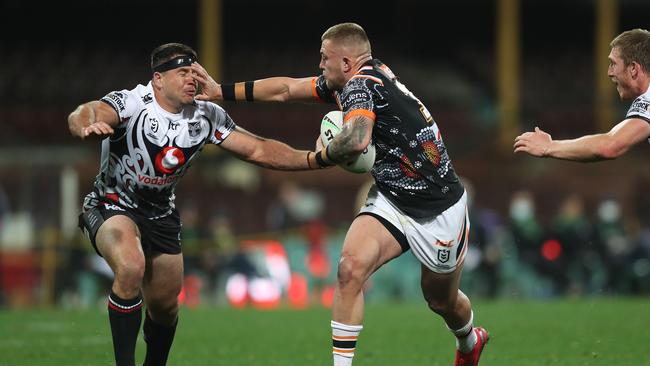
586, 332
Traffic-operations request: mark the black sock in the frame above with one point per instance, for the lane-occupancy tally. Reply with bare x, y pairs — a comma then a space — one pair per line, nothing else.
125, 317
159, 340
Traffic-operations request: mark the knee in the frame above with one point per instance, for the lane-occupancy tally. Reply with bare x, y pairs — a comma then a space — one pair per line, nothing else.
163, 309
129, 274
449, 305
440, 306
351, 271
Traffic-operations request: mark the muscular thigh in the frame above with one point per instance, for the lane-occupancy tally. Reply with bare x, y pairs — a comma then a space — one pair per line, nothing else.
368, 245
118, 241
163, 277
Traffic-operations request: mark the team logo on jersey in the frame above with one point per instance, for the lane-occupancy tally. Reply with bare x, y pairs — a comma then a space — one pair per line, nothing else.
640, 106
407, 167
117, 100
170, 159
431, 149
218, 135
443, 255
194, 128
146, 99
445, 243
154, 125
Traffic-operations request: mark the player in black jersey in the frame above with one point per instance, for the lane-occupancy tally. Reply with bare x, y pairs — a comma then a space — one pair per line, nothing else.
417, 201
149, 135
629, 69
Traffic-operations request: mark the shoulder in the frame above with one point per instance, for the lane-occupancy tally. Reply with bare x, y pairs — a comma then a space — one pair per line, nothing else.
640, 107
214, 113
368, 76
126, 101
210, 109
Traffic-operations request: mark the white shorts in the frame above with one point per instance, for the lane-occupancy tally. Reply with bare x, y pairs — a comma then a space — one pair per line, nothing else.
440, 243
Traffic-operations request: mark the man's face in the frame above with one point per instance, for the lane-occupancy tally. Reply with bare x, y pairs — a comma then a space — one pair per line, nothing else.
620, 75
179, 87
331, 62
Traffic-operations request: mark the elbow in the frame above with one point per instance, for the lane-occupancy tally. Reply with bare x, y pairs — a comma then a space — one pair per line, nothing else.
612, 150
71, 126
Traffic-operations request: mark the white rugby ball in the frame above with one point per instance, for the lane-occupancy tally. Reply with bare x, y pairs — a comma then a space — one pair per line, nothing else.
330, 126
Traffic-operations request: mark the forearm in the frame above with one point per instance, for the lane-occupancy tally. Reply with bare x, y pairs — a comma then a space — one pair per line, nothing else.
273, 154
274, 89
350, 143
585, 149
81, 118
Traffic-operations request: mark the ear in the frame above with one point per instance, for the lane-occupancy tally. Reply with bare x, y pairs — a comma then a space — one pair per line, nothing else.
347, 64
635, 67
156, 80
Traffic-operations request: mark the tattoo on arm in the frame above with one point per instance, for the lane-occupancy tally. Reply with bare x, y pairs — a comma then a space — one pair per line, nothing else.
345, 145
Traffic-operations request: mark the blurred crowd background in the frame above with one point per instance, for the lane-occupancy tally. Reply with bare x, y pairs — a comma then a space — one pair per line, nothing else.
254, 237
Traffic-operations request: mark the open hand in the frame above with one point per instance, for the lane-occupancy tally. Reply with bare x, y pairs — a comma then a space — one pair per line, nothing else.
210, 89
534, 143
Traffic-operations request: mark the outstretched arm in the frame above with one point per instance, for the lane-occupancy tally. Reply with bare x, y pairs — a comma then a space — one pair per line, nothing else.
93, 119
274, 89
588, 148
268, 153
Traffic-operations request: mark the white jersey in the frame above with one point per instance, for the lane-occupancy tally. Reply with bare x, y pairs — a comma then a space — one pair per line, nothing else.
151, 150
640, 108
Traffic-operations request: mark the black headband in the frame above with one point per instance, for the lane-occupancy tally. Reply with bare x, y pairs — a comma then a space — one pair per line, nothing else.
175, 63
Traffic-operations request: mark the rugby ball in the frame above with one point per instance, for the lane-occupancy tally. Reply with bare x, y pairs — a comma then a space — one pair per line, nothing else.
330, 126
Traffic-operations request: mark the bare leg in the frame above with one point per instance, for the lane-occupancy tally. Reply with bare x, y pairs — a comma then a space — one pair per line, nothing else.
444, 298
163, 283
368, 245
118, 240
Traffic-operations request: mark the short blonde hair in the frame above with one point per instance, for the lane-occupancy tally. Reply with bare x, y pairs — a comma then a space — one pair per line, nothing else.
348, 33
634, 46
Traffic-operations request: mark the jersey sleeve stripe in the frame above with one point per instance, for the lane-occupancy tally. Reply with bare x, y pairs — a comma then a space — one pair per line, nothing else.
375, 79
359, 112
639, 117
314, 92
112, 104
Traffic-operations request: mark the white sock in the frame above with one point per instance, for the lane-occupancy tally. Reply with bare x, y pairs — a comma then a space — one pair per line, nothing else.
344, 342
465, 336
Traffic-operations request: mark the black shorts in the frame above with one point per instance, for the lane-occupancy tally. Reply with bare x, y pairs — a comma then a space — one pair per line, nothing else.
161, 235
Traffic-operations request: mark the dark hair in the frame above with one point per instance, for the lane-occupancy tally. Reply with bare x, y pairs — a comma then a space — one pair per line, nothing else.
634, 46
168, 51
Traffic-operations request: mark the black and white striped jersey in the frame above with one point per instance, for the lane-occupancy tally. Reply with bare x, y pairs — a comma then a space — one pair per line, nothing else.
151, 150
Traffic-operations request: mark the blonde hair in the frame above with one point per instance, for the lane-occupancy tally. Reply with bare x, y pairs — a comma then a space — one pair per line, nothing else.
634, 46
348, 34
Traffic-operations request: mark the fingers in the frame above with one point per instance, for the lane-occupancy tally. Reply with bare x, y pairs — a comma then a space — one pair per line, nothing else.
99, 129
519, 144
198, 68
200, 78
319, 144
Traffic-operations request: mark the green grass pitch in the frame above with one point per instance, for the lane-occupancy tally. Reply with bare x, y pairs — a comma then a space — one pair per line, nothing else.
577, 333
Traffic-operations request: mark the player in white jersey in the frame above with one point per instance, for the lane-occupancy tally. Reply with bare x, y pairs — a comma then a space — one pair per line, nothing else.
149, 136
629, 69
418, 202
